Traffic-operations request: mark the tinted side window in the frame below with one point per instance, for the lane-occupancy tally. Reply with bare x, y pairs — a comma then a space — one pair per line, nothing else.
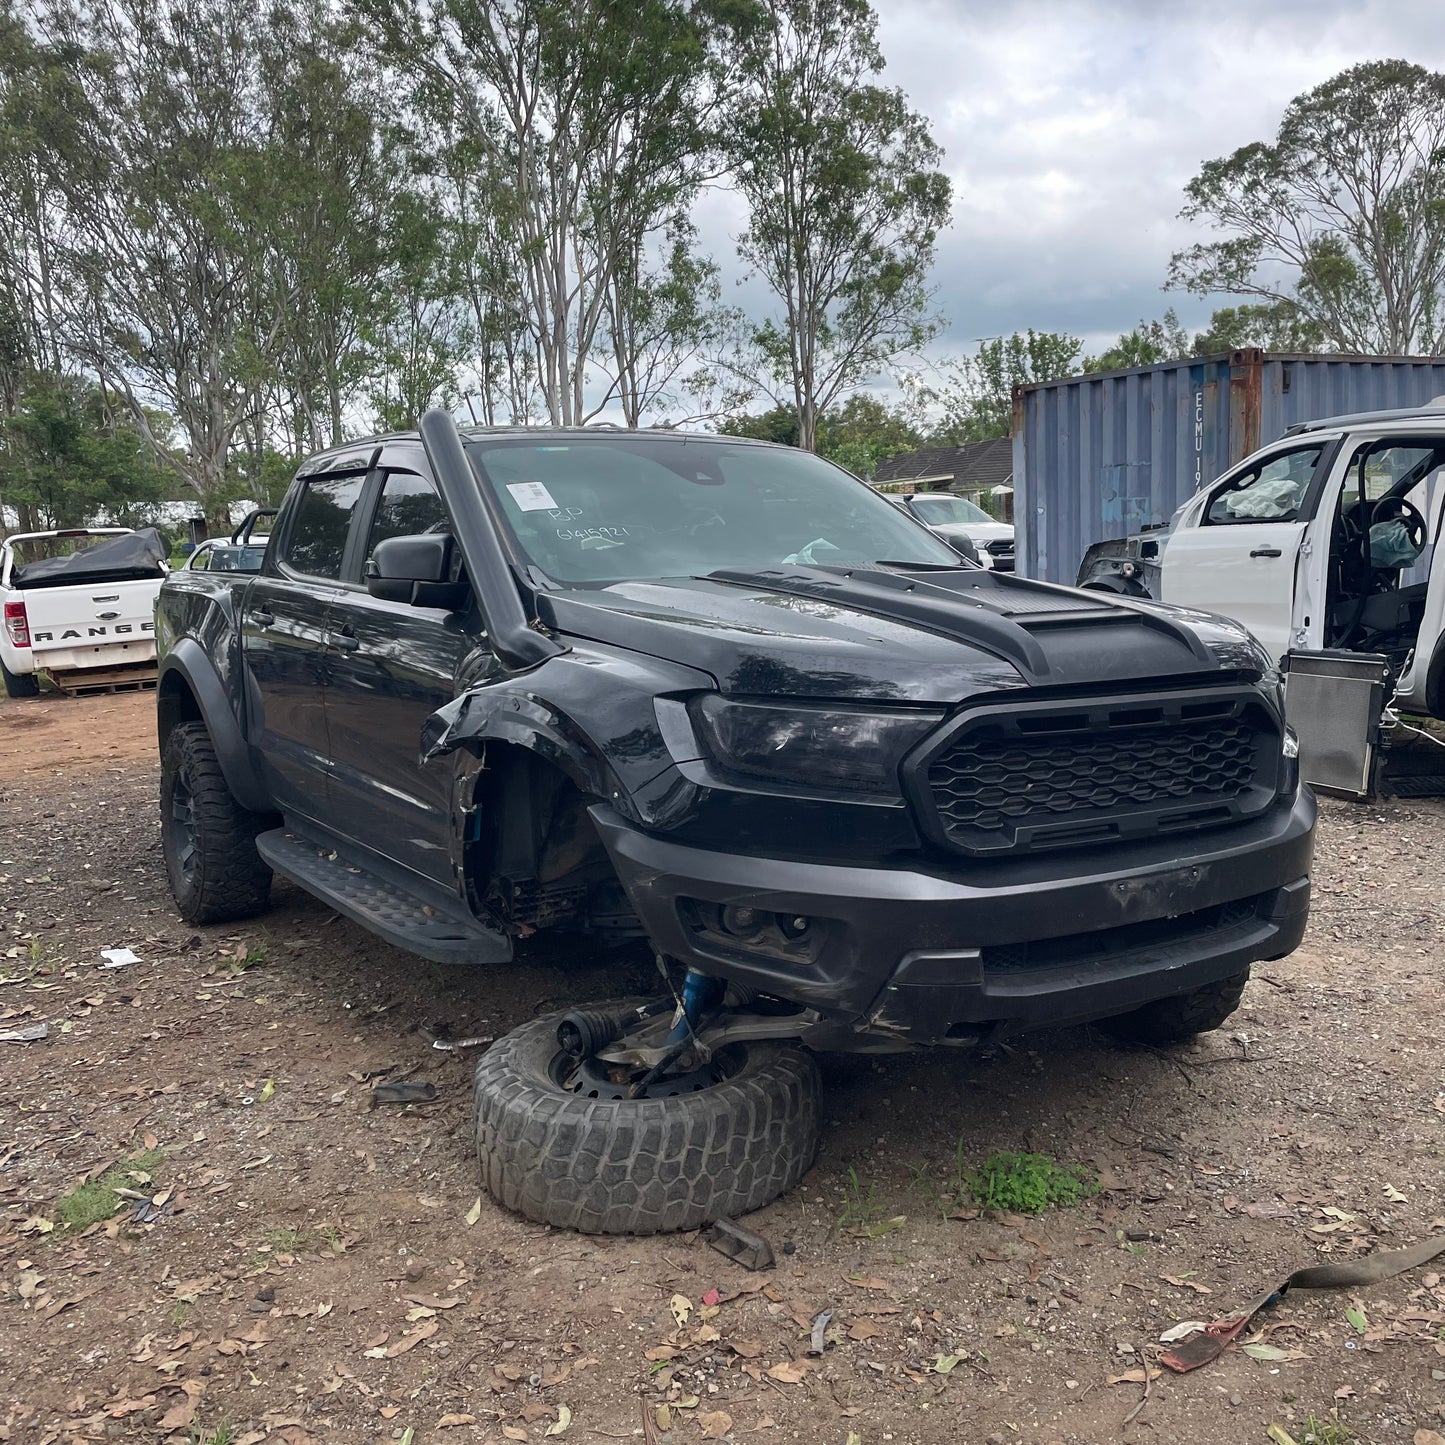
409, 505
318, 531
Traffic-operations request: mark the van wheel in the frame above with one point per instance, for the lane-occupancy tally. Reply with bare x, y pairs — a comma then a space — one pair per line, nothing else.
556, 1147
1172, 1020
19, 684
208, 838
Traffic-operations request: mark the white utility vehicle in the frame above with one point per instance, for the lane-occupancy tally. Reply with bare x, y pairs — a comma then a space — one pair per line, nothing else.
955, 518
85, 613
1325, 545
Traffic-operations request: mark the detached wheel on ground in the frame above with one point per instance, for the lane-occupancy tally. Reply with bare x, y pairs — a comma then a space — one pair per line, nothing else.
19, 684
208, 838
1172, 1020
555, 1147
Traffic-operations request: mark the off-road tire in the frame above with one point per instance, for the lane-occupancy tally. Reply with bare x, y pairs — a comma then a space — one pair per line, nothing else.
19, 684
1172, 1020
228, 879
641, 1166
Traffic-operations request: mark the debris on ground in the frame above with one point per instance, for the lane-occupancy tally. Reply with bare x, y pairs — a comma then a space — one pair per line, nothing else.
32, 1033
750, 1250
1202, 1346
403, 1091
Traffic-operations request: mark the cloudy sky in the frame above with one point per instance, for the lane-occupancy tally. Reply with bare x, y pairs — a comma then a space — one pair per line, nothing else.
1072, 126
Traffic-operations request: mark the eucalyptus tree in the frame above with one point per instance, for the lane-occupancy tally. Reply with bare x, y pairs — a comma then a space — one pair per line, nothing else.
845, 200
1340, 219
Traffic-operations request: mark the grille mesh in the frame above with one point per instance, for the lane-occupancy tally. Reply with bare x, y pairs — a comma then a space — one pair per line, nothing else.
991, 782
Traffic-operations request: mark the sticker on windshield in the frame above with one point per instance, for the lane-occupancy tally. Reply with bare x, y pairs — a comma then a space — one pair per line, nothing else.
531, 496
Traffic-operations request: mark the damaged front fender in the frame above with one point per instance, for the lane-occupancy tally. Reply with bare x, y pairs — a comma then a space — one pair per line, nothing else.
590, 713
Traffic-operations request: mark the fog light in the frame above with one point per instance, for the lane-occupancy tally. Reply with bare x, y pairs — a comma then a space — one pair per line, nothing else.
793, 927
740, 921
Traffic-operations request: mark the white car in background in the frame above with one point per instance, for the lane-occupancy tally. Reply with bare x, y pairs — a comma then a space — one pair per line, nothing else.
83, 613
956, 517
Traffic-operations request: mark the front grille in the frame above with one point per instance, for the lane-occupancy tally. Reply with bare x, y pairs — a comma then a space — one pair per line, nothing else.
1049, 777
1004, 547
1155, 937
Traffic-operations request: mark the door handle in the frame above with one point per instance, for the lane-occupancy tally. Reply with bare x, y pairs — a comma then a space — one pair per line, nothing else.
1267, 552
263, 618
346, 640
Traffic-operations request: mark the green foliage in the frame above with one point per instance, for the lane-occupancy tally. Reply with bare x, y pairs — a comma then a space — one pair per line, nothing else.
68, 455
1273, 326
1148, 344
845, 200
857, 435
96, 1201
1342, 216
859, 1206
1029, 1183
974, 399
1326, 1432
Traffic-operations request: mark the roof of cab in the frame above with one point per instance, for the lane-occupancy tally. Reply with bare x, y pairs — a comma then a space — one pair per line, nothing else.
1434, 408
362, 454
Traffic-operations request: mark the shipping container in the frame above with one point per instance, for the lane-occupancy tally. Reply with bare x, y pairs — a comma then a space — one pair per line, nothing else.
1105, 455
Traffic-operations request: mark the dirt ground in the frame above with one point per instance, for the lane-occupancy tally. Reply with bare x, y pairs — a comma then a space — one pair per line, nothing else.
318, 1269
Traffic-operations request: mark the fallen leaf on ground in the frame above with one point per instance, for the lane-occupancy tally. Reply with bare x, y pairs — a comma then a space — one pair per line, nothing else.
681, 1308
871, 1283
412, 1340
448, 1421
564, 1419
1134, 1377
747, 1349
474, 1213
1357, 1318
514, 1432
1280, 1435
715, 1424
1394, 1195
1181, 1283
1429, 1437
180, 1415
946, 1364
1262, 1351
790, 1372
863, 1330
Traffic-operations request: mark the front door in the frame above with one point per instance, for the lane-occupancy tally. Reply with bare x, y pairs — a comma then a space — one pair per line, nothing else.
284, 626
1239, 558
391, 666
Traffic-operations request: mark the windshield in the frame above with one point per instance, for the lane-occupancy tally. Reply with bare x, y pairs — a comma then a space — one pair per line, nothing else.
941, 510
642, 507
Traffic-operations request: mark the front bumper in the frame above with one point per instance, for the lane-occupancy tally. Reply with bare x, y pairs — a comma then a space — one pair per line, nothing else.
913, 956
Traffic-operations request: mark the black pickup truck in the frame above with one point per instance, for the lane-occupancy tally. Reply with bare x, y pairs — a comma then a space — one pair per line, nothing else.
856, 793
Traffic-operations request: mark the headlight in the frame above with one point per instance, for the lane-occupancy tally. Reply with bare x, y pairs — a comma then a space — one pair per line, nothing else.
1291, 743
826, 746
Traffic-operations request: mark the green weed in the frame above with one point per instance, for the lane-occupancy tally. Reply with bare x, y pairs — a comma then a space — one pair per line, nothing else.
1327, 1432
286, 1241
859, 1207
1028, 1183
98, 1200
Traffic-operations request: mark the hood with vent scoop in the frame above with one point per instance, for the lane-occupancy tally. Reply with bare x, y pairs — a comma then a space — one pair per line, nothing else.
902, 635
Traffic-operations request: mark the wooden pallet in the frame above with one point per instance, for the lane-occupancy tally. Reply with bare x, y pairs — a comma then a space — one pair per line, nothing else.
110, 680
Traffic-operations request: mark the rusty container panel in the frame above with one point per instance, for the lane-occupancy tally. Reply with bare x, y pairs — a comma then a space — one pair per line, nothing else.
1105, 455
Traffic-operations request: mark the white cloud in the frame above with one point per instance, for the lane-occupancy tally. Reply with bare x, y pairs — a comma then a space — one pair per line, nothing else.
1071, 127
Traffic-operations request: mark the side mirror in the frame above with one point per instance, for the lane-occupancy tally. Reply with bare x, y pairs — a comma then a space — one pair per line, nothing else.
415, 570
965, 548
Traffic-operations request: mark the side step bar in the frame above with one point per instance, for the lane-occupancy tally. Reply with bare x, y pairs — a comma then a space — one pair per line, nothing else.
382, 908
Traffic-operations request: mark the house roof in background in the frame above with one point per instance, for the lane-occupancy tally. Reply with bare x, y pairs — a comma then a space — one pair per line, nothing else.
977, 465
